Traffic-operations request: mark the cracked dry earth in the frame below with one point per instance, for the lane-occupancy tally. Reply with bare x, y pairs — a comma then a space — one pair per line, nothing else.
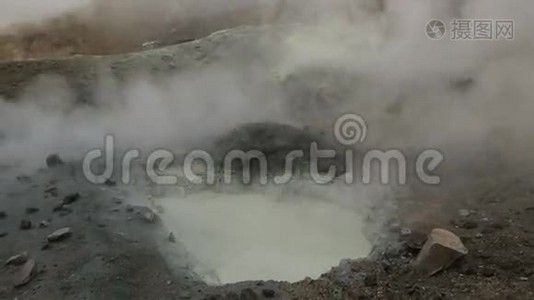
114, 251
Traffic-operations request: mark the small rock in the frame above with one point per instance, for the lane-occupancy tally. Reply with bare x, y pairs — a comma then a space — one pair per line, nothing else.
3, 215
370, 280
395, 227
44, 224
31, 210
45, 246
53, 161
24, 179
464, 213
18, 259
171, 238
26, 273
488, 272
498, 225
25, 225
463, 84
488, 230
412, 288
151, 44
467, 224
483, 254
110, 182
62, 209
268, 293
146, 214
523, 278
415, 241
248, 294
3, 234
65, 212
69, 199
441, 250
59, 235
52, 191
406, 231
149, 217
468, 270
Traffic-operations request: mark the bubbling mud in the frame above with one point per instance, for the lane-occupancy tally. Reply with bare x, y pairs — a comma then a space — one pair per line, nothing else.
264, 236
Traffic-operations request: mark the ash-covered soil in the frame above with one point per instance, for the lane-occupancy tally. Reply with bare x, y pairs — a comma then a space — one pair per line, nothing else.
110, 253
104, 27
82, 74
113, 250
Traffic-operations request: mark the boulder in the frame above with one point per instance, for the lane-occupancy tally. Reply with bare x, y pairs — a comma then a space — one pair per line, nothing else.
26, 273
441, 250
18, 259
59, 235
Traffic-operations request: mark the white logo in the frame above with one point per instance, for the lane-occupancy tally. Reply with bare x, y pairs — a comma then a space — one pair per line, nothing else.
350, 129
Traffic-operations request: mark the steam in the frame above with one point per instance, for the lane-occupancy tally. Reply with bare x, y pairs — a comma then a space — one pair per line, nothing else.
177, 113
393, 62
22, 11
413, 92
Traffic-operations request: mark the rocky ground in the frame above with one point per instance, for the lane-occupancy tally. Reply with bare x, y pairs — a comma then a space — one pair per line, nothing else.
111, 251
100, 27
109, 242
84, 72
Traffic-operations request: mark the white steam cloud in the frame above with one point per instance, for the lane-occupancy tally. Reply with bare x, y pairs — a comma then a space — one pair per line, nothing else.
21, 11
413, 91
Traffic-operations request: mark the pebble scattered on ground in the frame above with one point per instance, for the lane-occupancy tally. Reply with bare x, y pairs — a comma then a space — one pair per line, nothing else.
25, 225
